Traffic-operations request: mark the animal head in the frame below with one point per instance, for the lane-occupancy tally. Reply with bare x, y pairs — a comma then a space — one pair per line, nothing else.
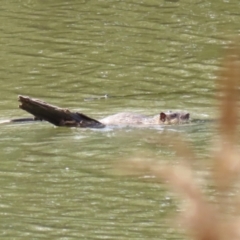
174, 117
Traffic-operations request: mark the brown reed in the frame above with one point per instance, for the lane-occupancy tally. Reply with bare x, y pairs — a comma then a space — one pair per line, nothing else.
202, 219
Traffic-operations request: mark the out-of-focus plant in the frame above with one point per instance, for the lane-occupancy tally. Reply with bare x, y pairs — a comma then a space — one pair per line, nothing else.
203, 219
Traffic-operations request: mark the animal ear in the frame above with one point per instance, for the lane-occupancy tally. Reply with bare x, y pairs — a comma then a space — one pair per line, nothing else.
163, 116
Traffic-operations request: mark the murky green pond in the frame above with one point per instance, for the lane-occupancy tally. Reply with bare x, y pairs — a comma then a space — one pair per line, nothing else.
148, 56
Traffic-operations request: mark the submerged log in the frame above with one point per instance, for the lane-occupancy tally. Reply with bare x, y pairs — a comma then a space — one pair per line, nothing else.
56, 115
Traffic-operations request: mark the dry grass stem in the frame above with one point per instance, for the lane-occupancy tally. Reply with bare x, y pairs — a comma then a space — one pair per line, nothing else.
228, 89
226, 156
202, 219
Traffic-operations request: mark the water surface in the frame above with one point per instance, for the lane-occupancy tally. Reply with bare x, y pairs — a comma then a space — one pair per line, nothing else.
148, 56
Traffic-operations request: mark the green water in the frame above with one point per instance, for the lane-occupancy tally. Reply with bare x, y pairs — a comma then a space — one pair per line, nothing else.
148, 56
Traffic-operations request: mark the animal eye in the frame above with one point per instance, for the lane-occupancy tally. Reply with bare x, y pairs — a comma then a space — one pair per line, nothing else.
174, 115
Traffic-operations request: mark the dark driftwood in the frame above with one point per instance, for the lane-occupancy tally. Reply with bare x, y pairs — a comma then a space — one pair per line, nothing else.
55, 115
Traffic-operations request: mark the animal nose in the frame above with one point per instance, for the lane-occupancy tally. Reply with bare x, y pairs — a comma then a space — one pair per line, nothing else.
185, 116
